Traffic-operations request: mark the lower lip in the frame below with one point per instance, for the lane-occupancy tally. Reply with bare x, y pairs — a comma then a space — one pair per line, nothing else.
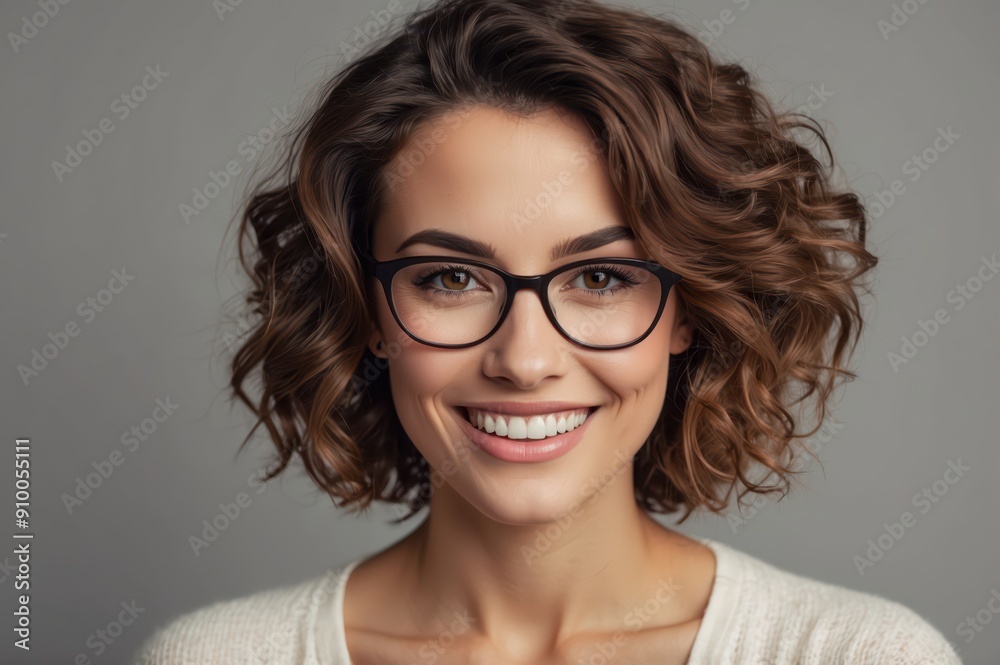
524, 450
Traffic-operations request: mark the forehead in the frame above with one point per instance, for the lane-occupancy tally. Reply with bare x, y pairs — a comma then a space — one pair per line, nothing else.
519, 184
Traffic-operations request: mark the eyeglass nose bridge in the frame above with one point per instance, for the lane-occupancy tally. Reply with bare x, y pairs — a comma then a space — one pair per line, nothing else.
536, 283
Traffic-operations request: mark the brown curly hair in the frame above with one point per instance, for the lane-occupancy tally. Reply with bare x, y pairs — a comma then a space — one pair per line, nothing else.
716, 186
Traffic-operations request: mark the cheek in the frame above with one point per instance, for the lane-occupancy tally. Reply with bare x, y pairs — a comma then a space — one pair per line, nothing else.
632, 373
639, 390
635, 380
419, 377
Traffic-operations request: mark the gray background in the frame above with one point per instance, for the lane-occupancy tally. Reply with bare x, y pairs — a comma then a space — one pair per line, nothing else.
165, 334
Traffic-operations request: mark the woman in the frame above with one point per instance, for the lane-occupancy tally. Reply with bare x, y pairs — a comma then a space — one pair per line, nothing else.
573, 270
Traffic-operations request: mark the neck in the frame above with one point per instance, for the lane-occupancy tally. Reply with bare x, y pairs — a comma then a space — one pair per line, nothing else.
543, 582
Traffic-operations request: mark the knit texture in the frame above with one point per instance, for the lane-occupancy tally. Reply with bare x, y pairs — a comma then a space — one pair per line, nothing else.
757, 615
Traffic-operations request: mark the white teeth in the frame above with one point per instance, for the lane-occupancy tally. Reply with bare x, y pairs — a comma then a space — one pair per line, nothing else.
517, 428
532, 427
536, 428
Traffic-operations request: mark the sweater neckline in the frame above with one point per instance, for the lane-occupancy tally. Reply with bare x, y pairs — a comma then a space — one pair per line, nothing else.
721, 608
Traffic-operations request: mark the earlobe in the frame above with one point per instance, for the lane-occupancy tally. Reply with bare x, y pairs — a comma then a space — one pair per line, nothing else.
682, 338
375, 344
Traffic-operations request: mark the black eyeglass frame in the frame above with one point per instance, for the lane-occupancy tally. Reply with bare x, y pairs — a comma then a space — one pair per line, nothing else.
385, 271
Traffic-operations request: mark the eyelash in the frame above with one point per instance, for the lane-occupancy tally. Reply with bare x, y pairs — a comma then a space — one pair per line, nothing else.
425, 277
618, 272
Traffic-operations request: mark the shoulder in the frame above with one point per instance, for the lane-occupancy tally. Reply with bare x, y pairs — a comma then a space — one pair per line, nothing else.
267, 626
816, 621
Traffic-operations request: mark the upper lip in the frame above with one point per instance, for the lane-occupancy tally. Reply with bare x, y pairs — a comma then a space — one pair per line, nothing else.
528, 408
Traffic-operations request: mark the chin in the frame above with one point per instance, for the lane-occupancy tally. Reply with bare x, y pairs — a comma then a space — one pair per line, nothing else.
538, 500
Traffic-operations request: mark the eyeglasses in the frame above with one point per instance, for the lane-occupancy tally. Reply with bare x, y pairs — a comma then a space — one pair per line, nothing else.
454, 303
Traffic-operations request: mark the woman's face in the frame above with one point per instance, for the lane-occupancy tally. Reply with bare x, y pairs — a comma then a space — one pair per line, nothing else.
523, 187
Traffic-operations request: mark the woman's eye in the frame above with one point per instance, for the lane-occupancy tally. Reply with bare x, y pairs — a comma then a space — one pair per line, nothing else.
596, 279
452, 283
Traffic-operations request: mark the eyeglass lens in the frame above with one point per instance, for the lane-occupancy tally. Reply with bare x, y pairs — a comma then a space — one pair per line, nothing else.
599, 304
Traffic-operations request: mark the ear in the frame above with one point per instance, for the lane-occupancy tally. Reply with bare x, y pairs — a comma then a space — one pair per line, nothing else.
375, 343
681, 336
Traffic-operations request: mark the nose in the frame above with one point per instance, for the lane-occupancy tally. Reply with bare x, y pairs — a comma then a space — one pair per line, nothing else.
527, 348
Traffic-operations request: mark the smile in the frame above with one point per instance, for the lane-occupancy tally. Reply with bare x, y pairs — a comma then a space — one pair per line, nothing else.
535, 427
524, 439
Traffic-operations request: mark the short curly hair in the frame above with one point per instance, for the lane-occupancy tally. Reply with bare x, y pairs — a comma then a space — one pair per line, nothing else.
717, 185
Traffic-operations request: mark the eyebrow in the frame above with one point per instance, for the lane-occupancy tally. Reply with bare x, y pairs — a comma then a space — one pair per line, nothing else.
569, 247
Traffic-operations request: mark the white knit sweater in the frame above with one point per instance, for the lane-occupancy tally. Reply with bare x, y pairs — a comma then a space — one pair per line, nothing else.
756, 614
